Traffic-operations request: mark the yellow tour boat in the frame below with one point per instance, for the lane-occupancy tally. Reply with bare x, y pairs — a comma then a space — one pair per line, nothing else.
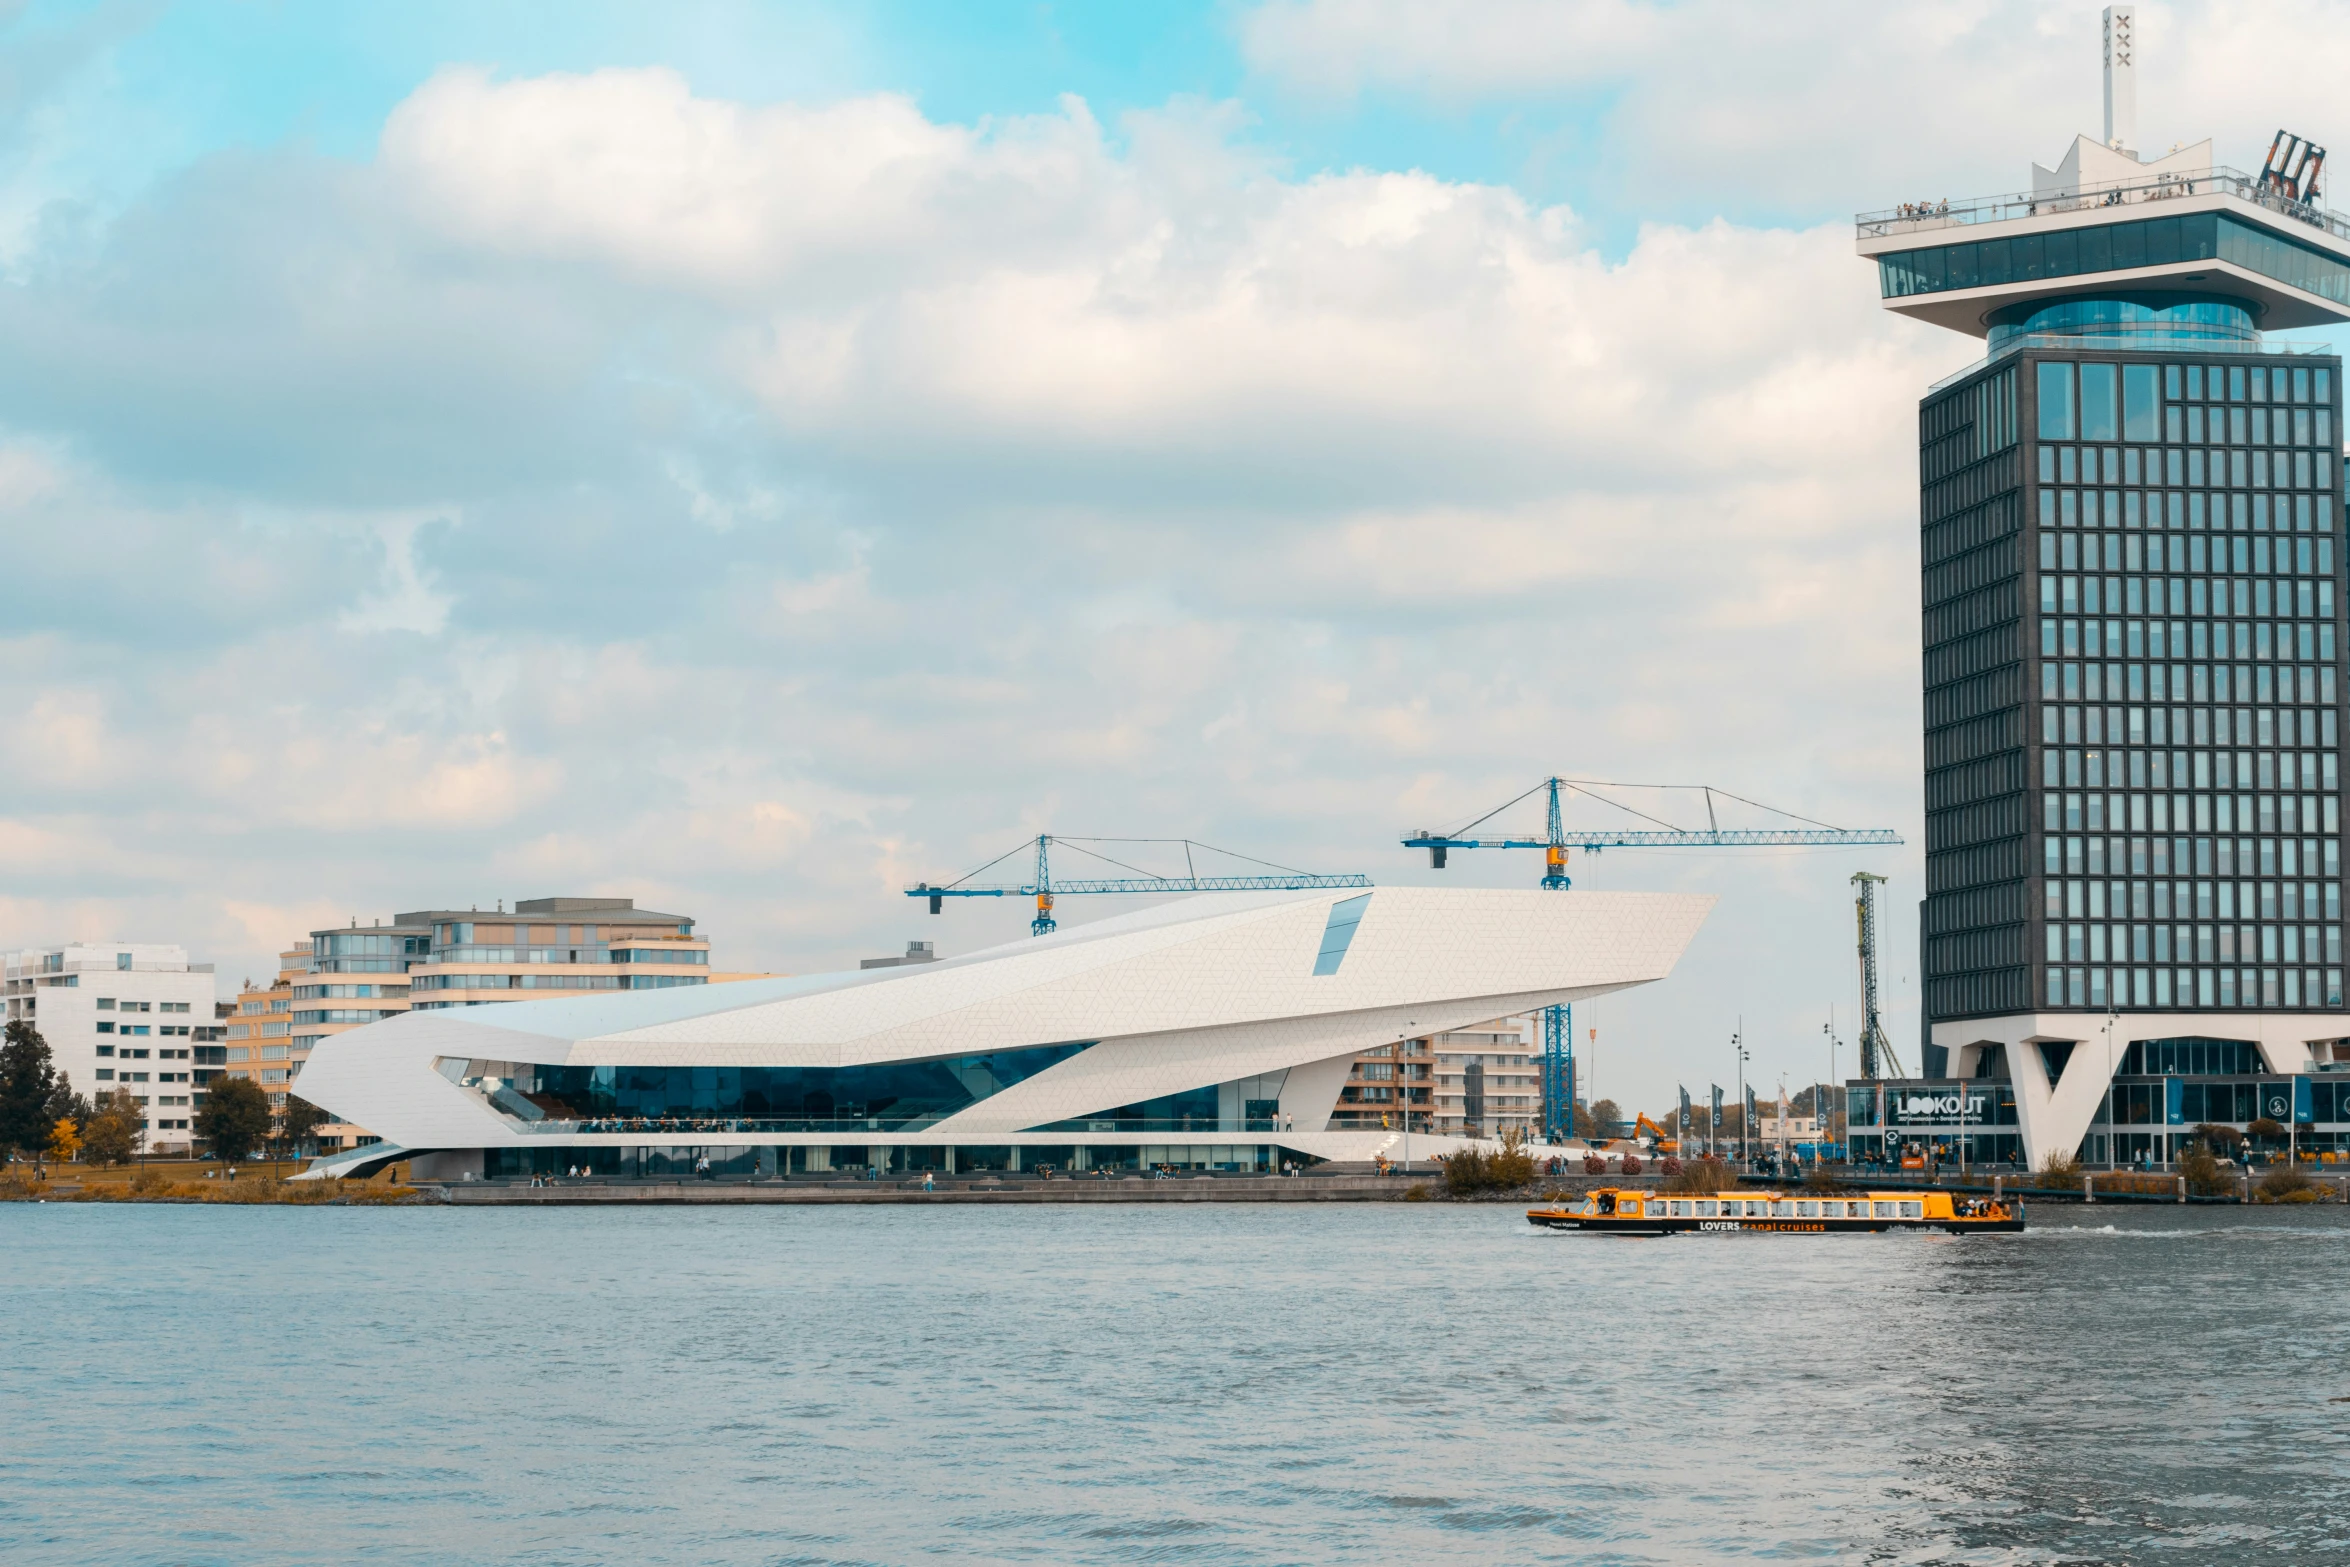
1617, 1210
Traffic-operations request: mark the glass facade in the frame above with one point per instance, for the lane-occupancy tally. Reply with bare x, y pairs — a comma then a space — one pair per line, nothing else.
888, 1096
2218, 321
2115, 247
2164, 1093
2133, 628
893, 1096
1973, 1121
737, 1162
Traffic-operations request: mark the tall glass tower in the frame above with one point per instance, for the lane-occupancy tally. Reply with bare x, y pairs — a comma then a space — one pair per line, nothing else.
2132, 540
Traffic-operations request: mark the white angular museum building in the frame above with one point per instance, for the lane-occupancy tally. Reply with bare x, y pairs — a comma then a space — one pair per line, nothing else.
1215, 1032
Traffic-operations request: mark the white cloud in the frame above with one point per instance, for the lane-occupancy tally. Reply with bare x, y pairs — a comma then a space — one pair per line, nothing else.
1828, 106
855, 493
405, 598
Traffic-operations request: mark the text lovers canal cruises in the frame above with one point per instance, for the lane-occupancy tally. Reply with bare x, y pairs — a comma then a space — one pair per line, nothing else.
1622, 1211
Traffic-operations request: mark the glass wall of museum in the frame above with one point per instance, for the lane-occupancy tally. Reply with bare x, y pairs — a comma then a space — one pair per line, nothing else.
2187, 642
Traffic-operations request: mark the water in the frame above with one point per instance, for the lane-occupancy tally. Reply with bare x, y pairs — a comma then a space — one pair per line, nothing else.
1407, 1383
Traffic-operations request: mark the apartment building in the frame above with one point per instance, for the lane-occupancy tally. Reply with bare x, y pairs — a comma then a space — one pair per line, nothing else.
346, 977
546, 944
124, 1015
1386, 1084
1476, 1082
1488, 1079
258, 1040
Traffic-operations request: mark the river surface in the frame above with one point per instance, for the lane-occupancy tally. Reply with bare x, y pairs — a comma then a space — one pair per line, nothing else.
1391, 1384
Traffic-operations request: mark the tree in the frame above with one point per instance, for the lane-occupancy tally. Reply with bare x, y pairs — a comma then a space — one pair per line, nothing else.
64, 1104
26, 1082
1597, 1120
65, 1139
300, 1122
235, 1118
117, 1125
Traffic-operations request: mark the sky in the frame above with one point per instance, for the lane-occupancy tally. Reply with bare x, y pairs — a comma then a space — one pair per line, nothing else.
752, 458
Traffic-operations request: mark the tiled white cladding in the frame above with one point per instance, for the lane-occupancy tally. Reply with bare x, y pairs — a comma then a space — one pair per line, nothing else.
1199, 991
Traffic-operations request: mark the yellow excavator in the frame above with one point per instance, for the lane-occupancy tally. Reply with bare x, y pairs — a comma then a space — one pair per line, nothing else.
1652, 1136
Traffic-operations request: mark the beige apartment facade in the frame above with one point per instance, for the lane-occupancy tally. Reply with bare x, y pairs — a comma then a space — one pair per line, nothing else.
1479, 1082
260, 1042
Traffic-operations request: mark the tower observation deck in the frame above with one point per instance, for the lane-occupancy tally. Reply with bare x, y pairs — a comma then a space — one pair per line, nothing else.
2132, 542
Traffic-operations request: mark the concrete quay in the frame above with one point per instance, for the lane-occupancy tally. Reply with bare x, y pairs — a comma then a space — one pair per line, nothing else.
1081, 1189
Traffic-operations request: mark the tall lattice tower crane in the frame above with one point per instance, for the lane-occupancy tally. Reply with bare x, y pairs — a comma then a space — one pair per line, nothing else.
1876, 1051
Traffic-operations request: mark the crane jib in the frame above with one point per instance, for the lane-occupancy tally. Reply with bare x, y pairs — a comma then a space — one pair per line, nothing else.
1731, 838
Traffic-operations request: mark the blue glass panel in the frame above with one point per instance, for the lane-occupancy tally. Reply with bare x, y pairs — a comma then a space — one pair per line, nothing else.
886, 1095
2099, 416
2141, 405
2056, 404
1345, 915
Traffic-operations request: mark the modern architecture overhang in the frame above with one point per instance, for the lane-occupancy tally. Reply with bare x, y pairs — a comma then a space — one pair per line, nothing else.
1206, 991
2218, 235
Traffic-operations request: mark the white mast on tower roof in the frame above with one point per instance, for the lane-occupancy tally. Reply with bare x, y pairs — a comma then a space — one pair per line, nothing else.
2121, 78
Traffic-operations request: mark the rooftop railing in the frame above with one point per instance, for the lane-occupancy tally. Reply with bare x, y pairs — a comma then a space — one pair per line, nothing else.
1921, 217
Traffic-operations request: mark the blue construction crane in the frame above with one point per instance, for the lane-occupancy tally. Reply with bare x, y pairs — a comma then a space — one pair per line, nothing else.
1558, 1022
1045, 889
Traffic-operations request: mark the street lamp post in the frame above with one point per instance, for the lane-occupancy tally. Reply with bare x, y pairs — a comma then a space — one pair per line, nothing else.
1737, 1043
1820, 1110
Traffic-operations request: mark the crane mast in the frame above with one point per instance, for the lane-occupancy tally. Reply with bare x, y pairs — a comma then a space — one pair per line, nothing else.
1876, 1051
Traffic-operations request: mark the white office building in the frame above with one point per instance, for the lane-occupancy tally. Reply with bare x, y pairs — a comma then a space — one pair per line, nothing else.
129, 1015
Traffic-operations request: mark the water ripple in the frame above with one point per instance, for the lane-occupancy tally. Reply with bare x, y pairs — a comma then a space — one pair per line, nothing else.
1179, 1385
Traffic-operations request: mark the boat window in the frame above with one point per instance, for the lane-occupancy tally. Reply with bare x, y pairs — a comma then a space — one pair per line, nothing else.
1627, 1205
1754, 1210
1705, 1208
1885, 1210
1782, 1210
1680, 1210
1912, 1210
1856, 1210
1807, 1210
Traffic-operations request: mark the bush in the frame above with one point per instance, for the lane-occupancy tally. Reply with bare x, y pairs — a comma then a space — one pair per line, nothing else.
1631, 1164
1706, 1175
2288, 1183
1669, 1166
1593, 1164
2206, 1176
1473, 1171
1511, 1165
2060, 1172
